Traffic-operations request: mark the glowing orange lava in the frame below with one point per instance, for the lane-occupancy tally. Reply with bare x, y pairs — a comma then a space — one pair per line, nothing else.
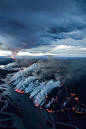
73, 108
72, 94
76, 98
19, 91
36, 105
56, 99
50, 111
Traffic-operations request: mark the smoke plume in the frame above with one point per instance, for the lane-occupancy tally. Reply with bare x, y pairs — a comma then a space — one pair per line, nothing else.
45, 80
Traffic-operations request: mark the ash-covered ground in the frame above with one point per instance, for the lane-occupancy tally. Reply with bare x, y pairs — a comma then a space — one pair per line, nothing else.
56, 86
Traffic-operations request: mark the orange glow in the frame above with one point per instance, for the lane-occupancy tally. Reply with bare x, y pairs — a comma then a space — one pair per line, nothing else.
62, 110
73, 108
19, 91
50, 111
78, 112
76, 98
16, 90
36, 105
56, 99
72, 94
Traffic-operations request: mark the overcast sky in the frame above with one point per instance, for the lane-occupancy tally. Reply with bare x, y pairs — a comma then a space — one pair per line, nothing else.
40, 26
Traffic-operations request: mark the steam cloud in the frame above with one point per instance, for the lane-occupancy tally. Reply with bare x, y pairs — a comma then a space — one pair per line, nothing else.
31, 81
44, 82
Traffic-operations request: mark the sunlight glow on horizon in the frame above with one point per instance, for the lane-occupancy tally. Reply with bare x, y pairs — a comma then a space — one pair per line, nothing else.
57, 50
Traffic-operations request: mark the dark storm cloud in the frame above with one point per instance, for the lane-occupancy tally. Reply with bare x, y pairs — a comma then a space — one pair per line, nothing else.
67, 28
31, 23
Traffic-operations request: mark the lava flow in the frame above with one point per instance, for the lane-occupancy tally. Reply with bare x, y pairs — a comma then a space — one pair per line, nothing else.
19, 91
45, 89
60, 100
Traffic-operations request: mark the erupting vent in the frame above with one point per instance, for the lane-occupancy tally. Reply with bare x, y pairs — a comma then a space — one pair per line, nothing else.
14, 53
